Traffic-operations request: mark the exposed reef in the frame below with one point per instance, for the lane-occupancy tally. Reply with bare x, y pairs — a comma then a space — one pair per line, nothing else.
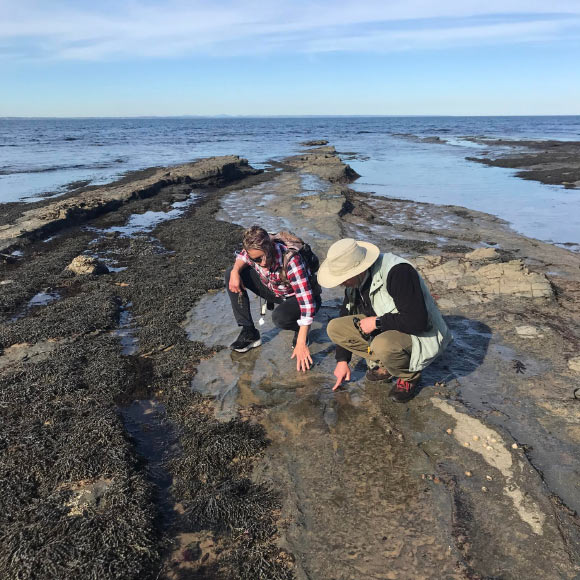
50, 217
550, 162
325, 163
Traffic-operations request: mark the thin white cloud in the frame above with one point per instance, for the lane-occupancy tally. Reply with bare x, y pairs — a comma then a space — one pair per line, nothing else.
81, 30
439, 38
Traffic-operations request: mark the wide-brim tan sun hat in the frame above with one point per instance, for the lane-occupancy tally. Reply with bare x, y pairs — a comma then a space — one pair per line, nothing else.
345, 259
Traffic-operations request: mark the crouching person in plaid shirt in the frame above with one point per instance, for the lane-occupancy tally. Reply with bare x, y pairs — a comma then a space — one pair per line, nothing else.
259, 267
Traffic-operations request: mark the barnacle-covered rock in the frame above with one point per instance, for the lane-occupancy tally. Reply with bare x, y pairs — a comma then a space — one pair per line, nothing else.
87, 265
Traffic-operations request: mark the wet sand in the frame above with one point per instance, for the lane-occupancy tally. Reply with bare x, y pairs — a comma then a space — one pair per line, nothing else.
130, 431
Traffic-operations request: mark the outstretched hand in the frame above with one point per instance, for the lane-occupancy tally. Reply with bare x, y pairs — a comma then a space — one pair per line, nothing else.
342, 373
303, 359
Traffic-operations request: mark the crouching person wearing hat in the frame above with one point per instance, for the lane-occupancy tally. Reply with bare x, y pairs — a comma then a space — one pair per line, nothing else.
388, 316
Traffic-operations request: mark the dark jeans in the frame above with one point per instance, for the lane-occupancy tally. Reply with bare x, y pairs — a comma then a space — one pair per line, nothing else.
284, 315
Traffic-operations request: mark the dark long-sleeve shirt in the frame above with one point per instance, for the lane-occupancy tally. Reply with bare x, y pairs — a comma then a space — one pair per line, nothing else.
405, 288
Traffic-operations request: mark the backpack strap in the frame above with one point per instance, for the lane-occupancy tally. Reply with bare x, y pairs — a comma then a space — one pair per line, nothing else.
288, 255
313, 278
294, 245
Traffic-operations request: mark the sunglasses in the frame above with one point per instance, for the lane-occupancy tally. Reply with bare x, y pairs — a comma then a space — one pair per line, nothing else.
257, 260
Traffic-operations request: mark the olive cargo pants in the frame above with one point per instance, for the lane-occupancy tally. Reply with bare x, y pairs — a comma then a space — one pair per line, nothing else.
390, 349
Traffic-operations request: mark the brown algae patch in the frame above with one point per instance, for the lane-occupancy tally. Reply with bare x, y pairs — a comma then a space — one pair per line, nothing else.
490, 445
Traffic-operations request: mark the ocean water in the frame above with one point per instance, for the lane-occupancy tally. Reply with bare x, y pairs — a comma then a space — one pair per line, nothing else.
40, 157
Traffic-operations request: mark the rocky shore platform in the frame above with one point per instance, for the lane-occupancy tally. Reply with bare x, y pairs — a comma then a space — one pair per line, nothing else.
136, 445
547, 161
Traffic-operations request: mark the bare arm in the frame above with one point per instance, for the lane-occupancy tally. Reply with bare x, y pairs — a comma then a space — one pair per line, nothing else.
236, 285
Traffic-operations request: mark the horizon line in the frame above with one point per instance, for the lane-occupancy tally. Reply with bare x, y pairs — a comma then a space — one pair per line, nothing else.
274, 116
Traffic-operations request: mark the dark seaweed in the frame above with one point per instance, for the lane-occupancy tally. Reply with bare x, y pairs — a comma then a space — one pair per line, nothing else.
76, 500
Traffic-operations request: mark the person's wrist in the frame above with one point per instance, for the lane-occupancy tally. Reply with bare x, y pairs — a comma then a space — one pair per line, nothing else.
378, 323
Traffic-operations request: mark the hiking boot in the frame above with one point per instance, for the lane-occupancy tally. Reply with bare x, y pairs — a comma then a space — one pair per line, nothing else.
248, 338
403, 391
378, 374
295, 339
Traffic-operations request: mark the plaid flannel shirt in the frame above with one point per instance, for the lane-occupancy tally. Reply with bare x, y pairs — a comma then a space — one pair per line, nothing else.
298, 283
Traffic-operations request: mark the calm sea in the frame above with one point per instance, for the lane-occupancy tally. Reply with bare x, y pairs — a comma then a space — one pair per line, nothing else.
42, 156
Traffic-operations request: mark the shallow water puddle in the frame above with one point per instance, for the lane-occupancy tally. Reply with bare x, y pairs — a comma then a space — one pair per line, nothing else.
126, 331
43, 298
250, 206
51, 238
485, 363
148, 221
105, 258
155, 442
111, 266
281, 204
312, 184
265, 376
137, 225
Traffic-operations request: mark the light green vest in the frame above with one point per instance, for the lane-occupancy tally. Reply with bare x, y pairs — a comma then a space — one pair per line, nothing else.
428, 345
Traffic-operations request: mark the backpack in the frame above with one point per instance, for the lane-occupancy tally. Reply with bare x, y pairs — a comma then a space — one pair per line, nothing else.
295, 245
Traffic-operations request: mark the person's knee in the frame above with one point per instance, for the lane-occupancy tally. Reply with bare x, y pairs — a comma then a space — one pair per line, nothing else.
390, 349
386, 351
281, 319
277, 318
332, 330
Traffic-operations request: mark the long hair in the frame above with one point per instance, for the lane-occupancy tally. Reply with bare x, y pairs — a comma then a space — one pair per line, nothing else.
257, 238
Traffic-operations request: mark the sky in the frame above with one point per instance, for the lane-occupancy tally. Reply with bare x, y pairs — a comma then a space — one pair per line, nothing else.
69, 58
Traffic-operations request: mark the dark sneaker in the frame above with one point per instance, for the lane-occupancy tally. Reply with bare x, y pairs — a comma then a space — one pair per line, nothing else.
295, 339
378, 374
249, 338
403, 391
